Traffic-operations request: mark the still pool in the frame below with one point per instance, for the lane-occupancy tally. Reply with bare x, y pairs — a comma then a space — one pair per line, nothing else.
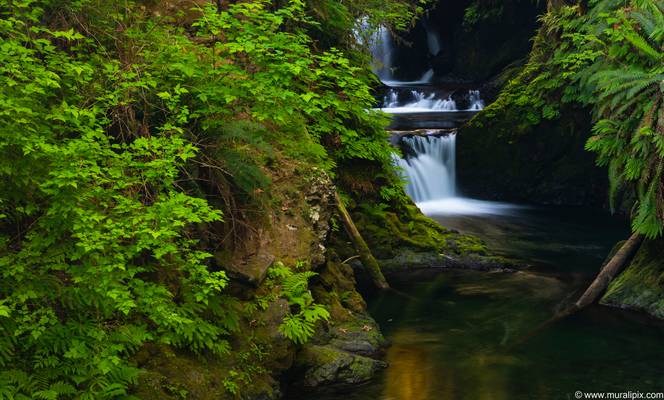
460, 334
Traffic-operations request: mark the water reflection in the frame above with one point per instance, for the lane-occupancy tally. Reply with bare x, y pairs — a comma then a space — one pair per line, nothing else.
411, 373
456, 337
461, 352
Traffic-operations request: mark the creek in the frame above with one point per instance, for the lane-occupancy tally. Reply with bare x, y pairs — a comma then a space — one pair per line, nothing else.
459, 334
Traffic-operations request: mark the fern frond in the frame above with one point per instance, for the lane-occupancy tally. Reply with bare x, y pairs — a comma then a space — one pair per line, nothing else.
642, 45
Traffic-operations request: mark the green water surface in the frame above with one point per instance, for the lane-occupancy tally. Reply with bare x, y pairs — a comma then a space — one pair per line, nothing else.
460, 335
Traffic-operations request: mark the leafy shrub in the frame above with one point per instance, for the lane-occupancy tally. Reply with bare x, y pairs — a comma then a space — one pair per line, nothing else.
124, 132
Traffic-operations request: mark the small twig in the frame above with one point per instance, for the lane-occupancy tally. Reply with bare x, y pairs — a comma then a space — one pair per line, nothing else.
350, 259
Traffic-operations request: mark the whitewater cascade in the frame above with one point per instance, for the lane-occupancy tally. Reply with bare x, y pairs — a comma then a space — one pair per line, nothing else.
430, 102
422, 102
391, 99
430, 173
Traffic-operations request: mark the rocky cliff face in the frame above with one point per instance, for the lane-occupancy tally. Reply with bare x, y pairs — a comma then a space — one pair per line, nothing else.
500, 157
345, 349
467, 40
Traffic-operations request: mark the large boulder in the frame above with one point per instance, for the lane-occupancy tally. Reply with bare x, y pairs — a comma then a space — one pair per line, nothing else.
328, 365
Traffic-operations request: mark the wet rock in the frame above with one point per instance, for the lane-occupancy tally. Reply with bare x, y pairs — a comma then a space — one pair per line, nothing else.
359, 336
356, 333
409, 260
327, 365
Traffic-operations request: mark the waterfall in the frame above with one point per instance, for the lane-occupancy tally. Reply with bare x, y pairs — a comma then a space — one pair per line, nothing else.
433, 43
391, 99
380, 43
381, 50
426, 78
476, 102
431, 173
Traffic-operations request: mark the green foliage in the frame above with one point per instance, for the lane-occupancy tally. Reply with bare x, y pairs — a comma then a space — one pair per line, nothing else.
299, 324
97, 256
627, 84
124, 131
611, 59
247, 369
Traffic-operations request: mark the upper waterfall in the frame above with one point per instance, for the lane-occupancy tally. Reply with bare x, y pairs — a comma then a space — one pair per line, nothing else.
381, 50
420, 101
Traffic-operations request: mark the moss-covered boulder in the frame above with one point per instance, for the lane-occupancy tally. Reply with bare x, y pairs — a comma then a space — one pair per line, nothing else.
641, 285
346, 350
389, 231
404, 240
326, 365
351, 328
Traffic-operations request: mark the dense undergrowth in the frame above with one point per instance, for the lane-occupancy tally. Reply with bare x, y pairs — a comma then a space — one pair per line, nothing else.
134, 139
607, 55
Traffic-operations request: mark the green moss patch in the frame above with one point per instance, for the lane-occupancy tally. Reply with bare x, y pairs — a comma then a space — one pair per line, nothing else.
641, 285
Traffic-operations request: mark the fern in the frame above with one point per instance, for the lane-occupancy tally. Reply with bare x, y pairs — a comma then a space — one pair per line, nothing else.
299, 324
629, 91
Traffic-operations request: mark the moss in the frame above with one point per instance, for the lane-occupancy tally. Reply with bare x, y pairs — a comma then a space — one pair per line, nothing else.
170, 375
641, 285
503, 155
259, 352
325, 365
389, 232
529, 146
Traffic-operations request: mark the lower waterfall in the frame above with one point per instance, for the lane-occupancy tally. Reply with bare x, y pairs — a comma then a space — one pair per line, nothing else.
429, 168
431, 172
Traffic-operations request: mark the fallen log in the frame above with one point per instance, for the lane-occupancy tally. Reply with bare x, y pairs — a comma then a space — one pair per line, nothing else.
368, 260
616, 264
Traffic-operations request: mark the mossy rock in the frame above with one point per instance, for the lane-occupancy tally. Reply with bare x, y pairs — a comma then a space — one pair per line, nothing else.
641, 285
327, 365
389, 231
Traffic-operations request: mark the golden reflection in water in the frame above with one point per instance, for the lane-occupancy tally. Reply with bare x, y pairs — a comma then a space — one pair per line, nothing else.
416, 373
410, 374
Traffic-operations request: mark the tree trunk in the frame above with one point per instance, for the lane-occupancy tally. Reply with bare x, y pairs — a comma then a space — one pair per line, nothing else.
361, 247
617, 263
